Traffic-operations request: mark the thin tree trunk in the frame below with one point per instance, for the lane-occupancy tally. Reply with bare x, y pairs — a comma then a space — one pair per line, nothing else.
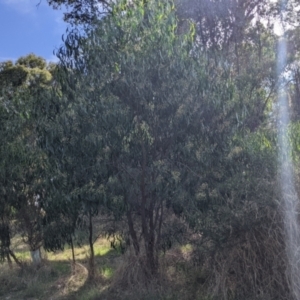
150, 249
9, 260
73, 255
132, 233
15, 258
159, 216
143, 196
92, 254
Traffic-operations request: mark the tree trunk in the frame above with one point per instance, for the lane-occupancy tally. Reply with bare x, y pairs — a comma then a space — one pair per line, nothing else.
73, 255
72, 249
150, 245
15, 259
91, 244
36, 256
132, 233
9, 260
152, 266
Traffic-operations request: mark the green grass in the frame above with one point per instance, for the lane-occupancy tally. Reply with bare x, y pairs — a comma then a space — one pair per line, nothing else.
35, 290
102, 250
61, 267
107, 272
23, 255
186, 248
92, 293
58, 279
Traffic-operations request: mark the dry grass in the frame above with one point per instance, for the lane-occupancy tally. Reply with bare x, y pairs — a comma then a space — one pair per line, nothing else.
130, 272
254, 268
77, 280
57, 277
172, 281
30, 282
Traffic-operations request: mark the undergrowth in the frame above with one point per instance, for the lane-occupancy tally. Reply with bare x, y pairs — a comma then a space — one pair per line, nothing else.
252, 269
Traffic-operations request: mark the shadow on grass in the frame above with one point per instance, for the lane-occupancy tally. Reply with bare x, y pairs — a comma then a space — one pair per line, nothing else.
80, 286
129, 283
54, 278
59, 279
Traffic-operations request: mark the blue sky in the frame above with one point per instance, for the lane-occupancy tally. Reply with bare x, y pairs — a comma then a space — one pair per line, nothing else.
27, 28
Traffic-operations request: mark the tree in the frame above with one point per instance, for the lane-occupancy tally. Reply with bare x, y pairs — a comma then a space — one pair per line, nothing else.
221, 24
180, 115
82, 11
73, 147
130, 133
7, 177
22, 163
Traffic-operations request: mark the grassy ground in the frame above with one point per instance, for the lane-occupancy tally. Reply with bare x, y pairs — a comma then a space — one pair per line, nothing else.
117, 277
56, 278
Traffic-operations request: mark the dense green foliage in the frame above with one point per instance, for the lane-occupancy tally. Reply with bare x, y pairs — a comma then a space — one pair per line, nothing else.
163, 119
22, 162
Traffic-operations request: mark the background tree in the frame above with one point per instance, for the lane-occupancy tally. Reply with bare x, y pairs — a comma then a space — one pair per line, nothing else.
82, 11
22, 162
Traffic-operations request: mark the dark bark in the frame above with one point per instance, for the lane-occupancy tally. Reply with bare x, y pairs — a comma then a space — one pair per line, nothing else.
73, 253
133, 233
159, 216
15, 259
91, 244
150, 249
148, 232
143, 195
9, 260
